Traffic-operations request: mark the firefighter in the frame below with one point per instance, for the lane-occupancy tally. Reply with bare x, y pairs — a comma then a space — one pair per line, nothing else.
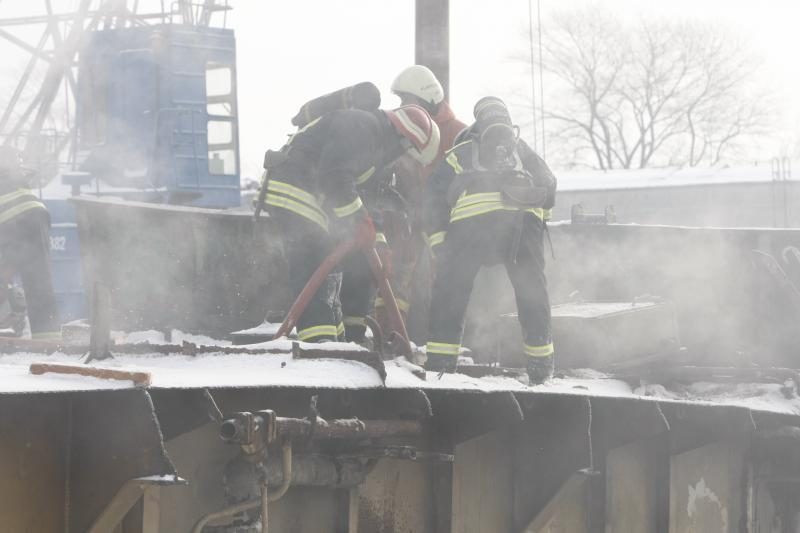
403, 223
487, 204
25, 244
418, 85
314, 191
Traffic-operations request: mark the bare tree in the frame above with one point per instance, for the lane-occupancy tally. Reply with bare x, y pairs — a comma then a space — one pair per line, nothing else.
634, 95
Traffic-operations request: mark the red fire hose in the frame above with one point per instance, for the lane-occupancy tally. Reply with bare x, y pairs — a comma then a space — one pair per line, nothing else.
325, 268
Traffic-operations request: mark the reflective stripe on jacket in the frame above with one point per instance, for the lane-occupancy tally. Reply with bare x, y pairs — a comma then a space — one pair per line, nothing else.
471, 204
330, 163
296, 200
17, 202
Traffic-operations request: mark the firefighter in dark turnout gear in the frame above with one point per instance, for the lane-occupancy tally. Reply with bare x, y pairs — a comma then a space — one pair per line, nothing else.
25, 244
487, 204
403, 227
314, 191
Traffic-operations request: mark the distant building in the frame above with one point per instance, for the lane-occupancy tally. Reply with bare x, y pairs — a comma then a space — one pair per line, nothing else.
764, 195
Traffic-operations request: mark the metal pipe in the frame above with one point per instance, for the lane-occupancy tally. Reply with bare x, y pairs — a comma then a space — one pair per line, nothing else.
352, 511
233, 430
286, 454
225, 513
264, 507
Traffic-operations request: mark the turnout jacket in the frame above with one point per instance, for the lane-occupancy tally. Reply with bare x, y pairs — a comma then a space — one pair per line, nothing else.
449, 128
461, 189
16, 198
325, 165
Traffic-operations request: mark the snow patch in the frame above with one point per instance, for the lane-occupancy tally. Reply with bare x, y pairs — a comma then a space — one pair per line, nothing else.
266, 328
700, 494
218, 370
159, 337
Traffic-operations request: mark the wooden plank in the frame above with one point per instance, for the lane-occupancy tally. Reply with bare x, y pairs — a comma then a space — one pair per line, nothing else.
140, 379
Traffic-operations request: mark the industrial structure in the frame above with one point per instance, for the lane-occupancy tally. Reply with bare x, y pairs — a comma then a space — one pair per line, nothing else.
151, 113
698, 197
676, 405
692, 426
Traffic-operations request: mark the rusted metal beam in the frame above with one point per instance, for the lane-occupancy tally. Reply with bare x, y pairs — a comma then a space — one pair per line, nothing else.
236, 429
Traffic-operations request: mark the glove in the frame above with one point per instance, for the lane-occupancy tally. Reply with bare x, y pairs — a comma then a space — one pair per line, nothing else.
540, 369
365, 233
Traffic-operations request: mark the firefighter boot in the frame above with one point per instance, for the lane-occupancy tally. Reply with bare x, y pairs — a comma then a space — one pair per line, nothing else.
540, 369
441, 363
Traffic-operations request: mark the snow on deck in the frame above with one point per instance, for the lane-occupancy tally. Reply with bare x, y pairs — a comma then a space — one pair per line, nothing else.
594, 180
186, 372
281, 370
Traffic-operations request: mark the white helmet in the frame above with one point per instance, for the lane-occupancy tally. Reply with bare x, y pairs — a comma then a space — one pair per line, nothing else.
421, 82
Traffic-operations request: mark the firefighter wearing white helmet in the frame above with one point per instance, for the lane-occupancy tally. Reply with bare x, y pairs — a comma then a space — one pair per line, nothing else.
419, 81
416, 85
317, 189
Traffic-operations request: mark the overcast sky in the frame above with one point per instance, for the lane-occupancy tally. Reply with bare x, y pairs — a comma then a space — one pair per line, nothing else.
292, 50
287, 56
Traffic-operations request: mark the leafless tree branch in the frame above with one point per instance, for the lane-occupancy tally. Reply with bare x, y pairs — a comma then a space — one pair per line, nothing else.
648, 93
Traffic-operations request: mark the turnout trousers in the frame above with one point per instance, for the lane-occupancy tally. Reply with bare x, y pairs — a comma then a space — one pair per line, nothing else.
514, 239
306, 245
25, 250
410, 284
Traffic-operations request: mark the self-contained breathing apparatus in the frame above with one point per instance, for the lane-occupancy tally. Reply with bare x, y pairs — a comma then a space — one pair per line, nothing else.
497, 158
498, 166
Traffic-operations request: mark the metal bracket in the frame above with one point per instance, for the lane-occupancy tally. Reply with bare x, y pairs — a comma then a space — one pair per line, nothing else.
144, 487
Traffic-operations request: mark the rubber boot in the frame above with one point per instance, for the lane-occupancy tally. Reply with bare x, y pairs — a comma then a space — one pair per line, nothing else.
441, 363
540, 369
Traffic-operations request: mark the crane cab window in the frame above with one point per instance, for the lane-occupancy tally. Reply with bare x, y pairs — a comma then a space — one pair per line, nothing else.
221, 127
